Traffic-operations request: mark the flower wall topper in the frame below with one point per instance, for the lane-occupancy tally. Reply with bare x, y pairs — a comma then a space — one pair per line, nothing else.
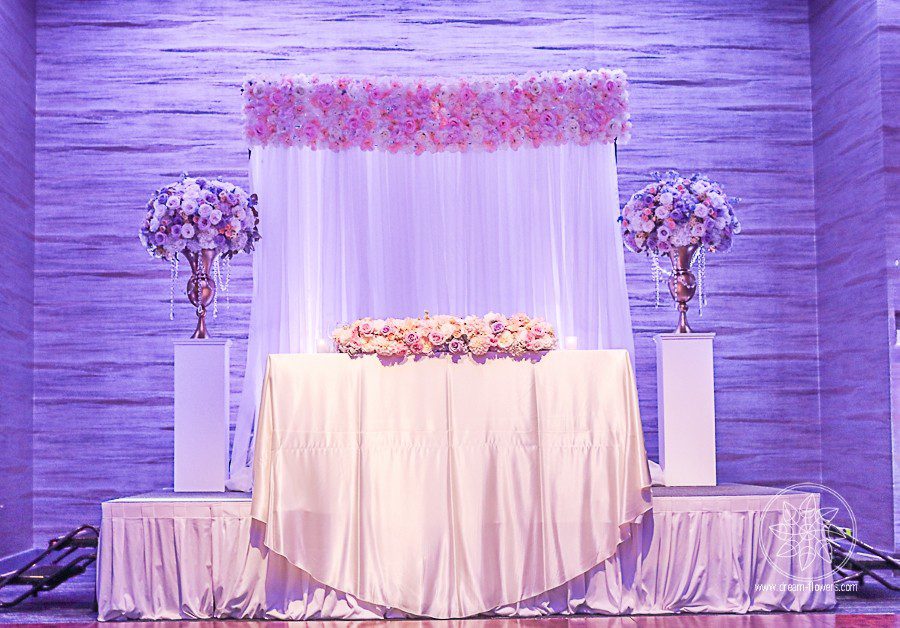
435, 115
391, 337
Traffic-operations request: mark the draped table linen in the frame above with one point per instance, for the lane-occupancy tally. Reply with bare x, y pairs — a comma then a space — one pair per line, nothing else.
446, 487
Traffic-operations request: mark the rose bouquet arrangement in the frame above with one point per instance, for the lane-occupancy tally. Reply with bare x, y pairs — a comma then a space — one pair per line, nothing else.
682, 218
197, 214
514, 335
202, 220
679, 211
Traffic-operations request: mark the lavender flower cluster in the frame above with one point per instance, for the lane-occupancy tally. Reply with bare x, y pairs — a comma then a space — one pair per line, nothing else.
677, 211
195, 213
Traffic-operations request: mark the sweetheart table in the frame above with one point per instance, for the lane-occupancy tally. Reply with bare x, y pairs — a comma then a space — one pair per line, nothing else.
448, 486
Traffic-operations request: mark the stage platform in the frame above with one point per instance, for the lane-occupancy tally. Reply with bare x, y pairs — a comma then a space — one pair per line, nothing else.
168, 555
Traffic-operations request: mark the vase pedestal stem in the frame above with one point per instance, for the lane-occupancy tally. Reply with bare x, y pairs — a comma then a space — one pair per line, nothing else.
682, 283
683, 327
201, 288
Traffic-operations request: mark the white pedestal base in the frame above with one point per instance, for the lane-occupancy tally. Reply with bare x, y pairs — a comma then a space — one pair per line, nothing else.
687, 414
202, 404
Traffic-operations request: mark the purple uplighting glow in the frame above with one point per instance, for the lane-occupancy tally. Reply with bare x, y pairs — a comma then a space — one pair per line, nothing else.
791, 106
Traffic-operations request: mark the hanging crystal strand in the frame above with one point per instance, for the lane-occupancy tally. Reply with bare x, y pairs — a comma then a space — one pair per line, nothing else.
657, 275
217, 275
227, 281
173, 277
701, 276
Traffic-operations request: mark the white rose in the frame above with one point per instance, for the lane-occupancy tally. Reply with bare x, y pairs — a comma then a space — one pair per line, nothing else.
666, 199
343, 335
716, 200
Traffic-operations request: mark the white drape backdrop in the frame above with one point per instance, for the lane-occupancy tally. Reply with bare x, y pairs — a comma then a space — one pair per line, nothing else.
352, 233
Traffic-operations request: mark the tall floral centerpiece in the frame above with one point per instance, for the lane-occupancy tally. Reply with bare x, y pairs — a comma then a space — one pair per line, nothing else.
201, 219
682, 218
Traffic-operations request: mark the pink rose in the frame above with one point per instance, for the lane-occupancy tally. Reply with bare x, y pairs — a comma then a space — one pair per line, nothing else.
456, 346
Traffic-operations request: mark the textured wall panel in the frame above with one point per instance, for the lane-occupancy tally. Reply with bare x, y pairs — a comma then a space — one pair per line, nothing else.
889, 45
17, 66
130, 94
855, 325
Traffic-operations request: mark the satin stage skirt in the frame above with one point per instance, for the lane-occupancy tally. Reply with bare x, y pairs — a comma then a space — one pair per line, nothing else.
191, 557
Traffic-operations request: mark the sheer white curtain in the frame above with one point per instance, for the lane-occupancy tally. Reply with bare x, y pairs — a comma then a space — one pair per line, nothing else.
351, 234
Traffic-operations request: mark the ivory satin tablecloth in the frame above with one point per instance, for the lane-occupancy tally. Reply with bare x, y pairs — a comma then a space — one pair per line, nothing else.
446, 488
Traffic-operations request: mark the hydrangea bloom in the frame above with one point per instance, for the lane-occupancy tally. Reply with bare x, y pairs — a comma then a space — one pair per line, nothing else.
436, 115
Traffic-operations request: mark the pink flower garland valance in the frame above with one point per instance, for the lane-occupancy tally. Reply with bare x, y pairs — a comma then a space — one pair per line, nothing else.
438, 114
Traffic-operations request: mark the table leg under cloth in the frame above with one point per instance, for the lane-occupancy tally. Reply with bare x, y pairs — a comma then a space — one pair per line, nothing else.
447, 487
168, 558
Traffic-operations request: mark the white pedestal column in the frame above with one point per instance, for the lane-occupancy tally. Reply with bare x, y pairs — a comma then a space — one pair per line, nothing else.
202, 404
687, 413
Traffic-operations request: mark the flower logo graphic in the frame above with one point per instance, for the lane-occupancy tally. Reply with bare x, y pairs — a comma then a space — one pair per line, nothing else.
801, 531
797, 531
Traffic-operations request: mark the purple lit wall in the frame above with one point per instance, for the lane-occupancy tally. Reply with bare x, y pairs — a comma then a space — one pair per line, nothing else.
889, 43
17, 66
852, 175
129, 95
